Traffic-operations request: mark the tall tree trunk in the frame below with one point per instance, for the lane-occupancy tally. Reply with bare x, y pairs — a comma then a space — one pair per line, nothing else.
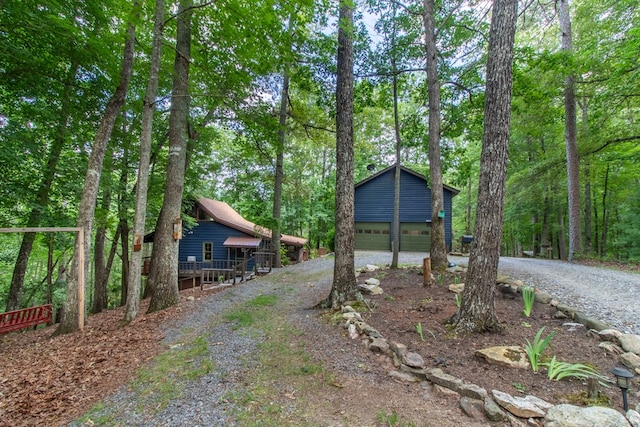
42, 197
605, 215
570, 134
69, 322
467, 222
439, 261
562, 241
279, 176
584, 108
100, 268
134, 274
163, 277
477, 312
396, 183
344, 287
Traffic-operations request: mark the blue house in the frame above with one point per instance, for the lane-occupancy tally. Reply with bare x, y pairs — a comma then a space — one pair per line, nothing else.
224, 246
374, 200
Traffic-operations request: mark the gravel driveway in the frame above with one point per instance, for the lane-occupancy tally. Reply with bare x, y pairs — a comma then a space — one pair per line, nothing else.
608, 295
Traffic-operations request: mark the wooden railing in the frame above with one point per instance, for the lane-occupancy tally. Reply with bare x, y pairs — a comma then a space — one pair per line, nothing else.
18, 319
215, 270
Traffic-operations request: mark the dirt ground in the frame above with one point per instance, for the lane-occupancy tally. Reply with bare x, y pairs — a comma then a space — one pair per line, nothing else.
52, 381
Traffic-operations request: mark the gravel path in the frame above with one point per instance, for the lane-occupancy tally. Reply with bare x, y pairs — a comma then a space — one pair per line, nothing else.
608, 295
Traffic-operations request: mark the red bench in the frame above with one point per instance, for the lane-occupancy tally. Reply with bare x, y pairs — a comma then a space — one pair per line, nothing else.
18, 319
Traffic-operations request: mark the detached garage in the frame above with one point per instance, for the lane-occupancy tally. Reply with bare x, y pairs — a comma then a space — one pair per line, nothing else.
374, 211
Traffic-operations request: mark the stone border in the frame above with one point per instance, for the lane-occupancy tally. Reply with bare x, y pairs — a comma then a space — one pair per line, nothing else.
476, 402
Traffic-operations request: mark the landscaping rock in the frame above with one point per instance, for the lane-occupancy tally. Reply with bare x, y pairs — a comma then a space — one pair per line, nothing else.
473, 408
630, 343
456, 288
510, 356
473, 391
372, 281
493, 410
612, 335
379, 345
630, 360
371, 267
633, 417
543, 297
523, 407
413, 359
371, 289
594, 416
404, 377
611, 348
438, 377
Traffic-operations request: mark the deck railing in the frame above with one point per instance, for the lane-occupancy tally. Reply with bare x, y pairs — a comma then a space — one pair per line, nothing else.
216, 270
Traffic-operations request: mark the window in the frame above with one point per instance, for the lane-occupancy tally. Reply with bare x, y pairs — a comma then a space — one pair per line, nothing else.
207, 251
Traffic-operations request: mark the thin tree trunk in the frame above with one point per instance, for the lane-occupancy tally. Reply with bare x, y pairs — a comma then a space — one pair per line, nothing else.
439, 261
279, 175
42, 197
396, 184
587, 184
344, 286
570, 133
134, 275
69, 322
562, 241
100, 269
605, 215
477, 312
163, 277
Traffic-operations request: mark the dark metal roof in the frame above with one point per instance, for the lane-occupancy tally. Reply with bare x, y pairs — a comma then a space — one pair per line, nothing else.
405, 169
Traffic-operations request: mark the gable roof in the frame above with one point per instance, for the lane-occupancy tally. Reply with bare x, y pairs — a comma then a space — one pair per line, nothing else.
225, 214
407, 170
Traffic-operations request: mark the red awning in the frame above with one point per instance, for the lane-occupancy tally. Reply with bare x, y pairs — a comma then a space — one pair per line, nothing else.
242, 242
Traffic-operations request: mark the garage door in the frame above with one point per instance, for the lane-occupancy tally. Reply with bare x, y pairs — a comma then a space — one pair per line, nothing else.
373, 236
415, 236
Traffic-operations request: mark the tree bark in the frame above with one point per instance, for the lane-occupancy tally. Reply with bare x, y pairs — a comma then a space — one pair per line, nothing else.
477, 312
100, 274
438, 253
279, 175
134, 276
396, 183
163, 277
344, 287
570, 135
69, 322
42, 197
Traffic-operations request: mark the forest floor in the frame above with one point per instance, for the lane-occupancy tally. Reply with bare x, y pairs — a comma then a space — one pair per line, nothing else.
51, 381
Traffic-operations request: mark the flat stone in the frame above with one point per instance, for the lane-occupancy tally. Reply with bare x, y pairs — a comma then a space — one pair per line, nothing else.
543, 297
560, 315
371, 267
597, 325
611, 348
630, 360
372, 281
474, 408
379, 345
404, 377
518, 406
593, 416
456, 288
493, 410
372, 332
352, 316
473, 391
612, 335
416, 372
398, 348
510, 356
353, 331
633, 417
569, 311
413, 359
438, 377
630, 343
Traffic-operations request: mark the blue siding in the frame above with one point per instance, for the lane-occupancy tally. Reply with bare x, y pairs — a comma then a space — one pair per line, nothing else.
374, 201
207, 231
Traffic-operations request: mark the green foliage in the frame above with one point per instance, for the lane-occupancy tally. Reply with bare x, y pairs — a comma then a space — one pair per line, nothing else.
557, 370
534, 350
528, 298
418, 327
458, 300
